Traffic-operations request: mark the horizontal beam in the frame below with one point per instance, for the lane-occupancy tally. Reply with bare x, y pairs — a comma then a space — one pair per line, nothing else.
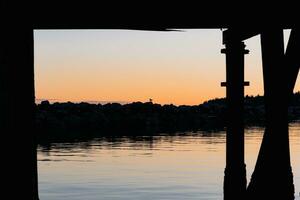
224, 84
65, 14
239, 34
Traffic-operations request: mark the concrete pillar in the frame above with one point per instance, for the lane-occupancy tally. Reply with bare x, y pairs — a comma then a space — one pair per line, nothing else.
272, 177
17, 113
292, 61
235, 172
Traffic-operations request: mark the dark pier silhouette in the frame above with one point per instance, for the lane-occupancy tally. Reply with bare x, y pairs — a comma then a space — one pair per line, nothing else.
273, 168
235, 172
272, 177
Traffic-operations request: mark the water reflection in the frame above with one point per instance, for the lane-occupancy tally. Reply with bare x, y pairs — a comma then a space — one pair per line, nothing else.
181, 166
139, 142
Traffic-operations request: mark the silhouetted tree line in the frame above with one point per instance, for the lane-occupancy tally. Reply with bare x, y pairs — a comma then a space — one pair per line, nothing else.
83, 120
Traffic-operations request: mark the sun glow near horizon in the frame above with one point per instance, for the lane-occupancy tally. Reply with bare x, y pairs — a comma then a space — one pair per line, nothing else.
125, 65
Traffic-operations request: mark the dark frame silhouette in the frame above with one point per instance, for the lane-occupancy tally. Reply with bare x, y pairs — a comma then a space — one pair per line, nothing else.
17, 80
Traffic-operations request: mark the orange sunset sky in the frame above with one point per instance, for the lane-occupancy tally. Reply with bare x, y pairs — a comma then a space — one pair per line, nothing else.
180, 67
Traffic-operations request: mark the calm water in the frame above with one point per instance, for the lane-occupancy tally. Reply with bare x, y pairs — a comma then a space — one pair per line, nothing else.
160, 167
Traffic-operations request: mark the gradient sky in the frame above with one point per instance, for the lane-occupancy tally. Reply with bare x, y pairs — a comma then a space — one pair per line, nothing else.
125, 65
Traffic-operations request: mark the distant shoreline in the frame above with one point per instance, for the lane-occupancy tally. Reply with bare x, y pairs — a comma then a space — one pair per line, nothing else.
39, 101
69, 121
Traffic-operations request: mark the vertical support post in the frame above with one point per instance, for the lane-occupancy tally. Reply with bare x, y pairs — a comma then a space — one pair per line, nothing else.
235, 171
272, 177
17, 103
292, 61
